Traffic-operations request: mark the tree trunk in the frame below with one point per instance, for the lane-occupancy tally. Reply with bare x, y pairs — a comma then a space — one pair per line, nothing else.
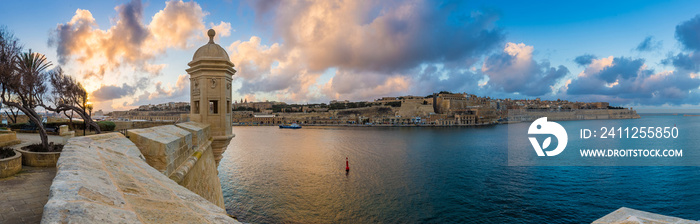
33, 116
42, 133
10, 118
86, 117
70, 119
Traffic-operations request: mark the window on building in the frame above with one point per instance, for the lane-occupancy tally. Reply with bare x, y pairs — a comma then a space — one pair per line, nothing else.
228, 106
213, 107
196, 107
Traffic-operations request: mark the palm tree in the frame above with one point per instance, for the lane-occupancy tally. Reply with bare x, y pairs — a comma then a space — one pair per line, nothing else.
26, 88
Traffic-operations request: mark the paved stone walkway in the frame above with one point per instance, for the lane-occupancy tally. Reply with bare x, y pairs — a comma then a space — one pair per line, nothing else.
22, 196
32, 138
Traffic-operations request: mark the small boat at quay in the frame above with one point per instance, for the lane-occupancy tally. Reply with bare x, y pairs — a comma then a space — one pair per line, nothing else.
291, 126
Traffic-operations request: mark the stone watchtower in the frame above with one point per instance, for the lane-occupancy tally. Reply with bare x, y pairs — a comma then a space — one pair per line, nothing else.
211, 72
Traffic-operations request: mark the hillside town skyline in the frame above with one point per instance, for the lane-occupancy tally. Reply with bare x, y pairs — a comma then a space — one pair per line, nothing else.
438, 109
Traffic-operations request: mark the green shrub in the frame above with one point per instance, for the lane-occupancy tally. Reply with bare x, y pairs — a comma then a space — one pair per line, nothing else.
76, 124
17, 126
106, 125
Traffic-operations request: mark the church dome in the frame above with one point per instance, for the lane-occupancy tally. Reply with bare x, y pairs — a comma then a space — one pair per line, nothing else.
210, 51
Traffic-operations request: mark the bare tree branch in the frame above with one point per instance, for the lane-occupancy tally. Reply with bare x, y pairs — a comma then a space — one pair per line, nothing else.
69, 94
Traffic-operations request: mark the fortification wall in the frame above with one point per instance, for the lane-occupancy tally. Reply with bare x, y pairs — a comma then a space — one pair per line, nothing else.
592, 114
412, 108
105, 179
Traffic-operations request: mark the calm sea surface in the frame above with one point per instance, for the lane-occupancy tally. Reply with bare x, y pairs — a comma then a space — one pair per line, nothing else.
439, 175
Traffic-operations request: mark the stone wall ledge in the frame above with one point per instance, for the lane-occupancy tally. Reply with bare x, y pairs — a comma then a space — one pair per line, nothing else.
164, 147
105, 179
179, 174
630, 216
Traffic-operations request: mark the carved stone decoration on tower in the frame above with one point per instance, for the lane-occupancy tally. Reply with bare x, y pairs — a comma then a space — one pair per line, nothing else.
210, 101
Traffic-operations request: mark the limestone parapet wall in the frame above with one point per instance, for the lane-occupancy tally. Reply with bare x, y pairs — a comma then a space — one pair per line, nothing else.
105, 179
121, 125
182, 152
165, 147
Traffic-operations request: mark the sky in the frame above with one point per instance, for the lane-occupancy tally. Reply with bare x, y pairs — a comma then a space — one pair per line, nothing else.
641, 54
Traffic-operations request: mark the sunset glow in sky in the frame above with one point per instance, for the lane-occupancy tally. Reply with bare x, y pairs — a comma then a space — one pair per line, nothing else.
644, 54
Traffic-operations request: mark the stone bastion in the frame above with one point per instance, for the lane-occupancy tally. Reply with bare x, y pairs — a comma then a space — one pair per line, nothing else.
164, 174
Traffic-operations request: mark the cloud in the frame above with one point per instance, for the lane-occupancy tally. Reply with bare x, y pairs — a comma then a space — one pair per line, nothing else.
111, 92
164, 94
648, 44
99, 51
264, 68
689, 37
687, 33
363, 86
684, 61
377, 47
127, 49
629, 81
400, 36
222, 30
515, 71
421, 81
129, 42
622, 68
584, 60
264, 6
176, 25
626, 80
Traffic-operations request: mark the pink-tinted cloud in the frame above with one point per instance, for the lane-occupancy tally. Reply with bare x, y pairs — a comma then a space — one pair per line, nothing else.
515, 71
124, 54
630, 81
376, 48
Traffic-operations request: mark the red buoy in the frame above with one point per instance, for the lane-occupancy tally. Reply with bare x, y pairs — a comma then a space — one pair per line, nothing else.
347, 165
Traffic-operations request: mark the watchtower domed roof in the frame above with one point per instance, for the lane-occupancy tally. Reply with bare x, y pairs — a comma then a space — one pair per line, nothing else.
210, 51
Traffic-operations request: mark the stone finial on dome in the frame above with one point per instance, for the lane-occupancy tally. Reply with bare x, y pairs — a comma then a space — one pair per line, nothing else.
211, 34
211, 51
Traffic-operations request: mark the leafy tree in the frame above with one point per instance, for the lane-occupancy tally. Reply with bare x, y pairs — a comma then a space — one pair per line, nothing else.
69, 95
394, 104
